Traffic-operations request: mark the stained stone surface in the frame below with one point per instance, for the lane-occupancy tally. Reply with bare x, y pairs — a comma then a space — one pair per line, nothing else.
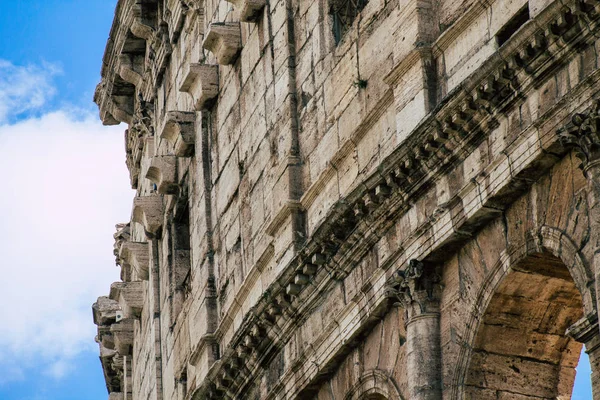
342, 199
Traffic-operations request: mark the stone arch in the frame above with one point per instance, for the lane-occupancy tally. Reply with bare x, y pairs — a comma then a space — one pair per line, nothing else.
546, 244
374, 385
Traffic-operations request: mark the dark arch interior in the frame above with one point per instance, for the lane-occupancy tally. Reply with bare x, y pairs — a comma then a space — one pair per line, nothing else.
521, 350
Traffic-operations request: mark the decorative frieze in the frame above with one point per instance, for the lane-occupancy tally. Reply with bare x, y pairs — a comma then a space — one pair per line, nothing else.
180, 131
163, 173
149, 212
202, 83
250, 10
224, 40
130, 296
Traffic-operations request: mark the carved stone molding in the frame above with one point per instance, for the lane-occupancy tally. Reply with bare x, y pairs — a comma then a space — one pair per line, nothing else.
224, 40
249, 9
416, 289
137, 256
163, 173
584, 330
130, 296
202, 83
582, 134
180, 130
149, 211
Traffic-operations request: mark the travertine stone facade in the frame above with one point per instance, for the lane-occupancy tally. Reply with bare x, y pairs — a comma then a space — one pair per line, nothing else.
354, 199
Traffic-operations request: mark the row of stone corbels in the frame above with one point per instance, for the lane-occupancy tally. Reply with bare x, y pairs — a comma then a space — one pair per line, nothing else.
106, 312
446, 136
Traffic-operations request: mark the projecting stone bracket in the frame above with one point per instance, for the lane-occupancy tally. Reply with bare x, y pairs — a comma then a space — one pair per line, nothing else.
130, 296
249, 9
139, 27
180, 130
224, 40
136, 255
127, 70
163, 173
123, 334
202, 82
149, 211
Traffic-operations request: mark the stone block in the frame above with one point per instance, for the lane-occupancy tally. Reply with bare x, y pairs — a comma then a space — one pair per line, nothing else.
224, 40
201, 81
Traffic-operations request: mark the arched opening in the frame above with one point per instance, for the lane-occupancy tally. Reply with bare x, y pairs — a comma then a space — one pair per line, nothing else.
521, 348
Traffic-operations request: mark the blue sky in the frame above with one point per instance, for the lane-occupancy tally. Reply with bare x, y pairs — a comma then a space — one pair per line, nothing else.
65, 186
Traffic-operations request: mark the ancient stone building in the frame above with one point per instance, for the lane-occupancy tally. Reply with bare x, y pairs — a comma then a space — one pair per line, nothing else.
354, 199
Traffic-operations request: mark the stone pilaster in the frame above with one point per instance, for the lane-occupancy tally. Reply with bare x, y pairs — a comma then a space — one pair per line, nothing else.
586, 331
418, 291
582, 135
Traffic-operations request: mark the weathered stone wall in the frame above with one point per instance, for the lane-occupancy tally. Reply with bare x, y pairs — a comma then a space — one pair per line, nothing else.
338, 211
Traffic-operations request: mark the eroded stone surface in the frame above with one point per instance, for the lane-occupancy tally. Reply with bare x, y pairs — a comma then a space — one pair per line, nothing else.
355, 199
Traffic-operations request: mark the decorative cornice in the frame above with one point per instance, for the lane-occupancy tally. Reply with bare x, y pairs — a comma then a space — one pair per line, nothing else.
224, 40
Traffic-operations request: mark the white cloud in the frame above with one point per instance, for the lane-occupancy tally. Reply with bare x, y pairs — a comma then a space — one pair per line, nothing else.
24, 88
65, 185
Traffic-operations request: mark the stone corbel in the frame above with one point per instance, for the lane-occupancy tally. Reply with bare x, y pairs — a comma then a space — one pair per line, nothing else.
149, 211
163, 173
224, 40
104, 311
127, 71
138, 27
136, 255
249, 9
202, 82
180, 131
123, 333
120, 113
130, 296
